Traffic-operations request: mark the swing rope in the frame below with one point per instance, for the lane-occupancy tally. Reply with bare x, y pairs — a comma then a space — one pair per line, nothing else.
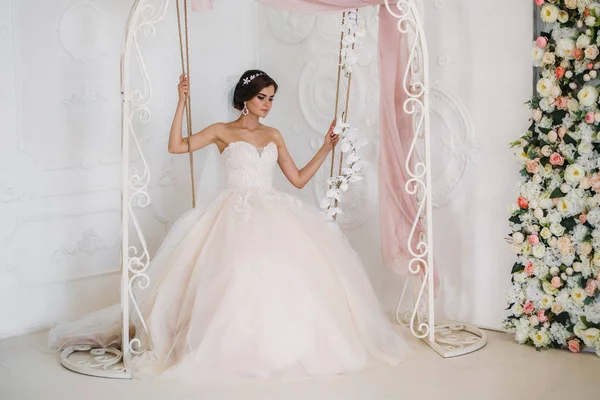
185, 69
337, 96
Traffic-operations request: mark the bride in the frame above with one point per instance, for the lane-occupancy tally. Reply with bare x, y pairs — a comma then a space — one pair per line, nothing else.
256, 284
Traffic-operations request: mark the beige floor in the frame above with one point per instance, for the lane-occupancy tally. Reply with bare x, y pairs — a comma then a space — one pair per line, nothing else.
502, 370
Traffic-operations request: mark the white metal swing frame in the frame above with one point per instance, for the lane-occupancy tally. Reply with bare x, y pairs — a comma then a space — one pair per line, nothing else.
448, 339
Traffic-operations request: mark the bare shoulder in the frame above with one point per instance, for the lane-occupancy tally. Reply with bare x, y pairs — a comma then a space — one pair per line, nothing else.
274, 135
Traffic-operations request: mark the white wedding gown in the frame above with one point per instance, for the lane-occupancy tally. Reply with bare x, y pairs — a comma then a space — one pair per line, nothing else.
256, 285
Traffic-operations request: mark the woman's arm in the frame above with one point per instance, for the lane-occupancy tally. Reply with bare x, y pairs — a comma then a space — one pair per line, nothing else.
179, 144
300, 177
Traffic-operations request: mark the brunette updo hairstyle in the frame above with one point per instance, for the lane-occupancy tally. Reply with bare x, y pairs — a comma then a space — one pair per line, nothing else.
244, 92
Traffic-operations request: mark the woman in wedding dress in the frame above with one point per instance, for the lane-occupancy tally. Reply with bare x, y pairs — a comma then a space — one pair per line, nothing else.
256, 284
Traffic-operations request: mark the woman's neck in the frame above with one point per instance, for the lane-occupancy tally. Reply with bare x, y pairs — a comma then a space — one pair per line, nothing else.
249, 122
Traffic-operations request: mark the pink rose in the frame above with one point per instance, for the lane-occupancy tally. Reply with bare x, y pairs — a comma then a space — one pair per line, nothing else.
556, 282
595, 182
564, 244
574, 346
528, 308
522, 202
529, 269
562, 131
539, 2
534, 240
542, 317
562, 103
532, 166
590, 65
578, 53
560, 72
541, 42
583, 218
589, 117
556, 159
590, 287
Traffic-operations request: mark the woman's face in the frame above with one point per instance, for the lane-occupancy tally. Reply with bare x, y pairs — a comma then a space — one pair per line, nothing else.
261, 104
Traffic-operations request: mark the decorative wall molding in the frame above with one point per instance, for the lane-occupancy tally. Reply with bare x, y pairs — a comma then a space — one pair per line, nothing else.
82, 30
290, 27
454, 144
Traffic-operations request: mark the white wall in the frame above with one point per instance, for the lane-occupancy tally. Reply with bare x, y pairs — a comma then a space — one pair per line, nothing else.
59, 132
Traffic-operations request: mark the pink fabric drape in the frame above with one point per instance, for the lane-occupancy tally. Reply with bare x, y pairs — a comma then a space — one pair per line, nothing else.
397, 208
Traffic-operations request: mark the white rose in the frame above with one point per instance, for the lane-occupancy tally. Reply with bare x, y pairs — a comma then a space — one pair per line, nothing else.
569, 74
594, 74
518, 237
545, 233
546, 204
573, 104
590, 336
585, 184
583, 41
565, 188
546, 151
552, 136
537, 55
545, 87
571, 4
557, 229
546, 302
563, 276
585, 148
536, 115
538, 213
517, 310
589, 21
585, 249
577, 267
578, 296
538, 251
563, 16
526, 246
516, 248
548, 288
587, 96
549, 58
521, 336
554, 271
534, 321
540, 338
591, 52
549, 13
565, 47
569, 271
574, 173
555, 92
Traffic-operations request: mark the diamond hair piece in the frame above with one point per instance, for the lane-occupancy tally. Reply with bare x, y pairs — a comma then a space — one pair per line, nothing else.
250, 78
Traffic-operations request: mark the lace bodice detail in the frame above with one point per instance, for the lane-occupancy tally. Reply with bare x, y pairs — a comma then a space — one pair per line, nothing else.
248, 167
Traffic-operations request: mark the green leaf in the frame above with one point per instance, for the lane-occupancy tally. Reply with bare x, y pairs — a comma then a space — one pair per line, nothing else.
524, 172
510, 306
557, 194
588, 300
544, 130
558, 116
568, 223
563, 318
545, 34
569, 140
544, 161
515, 219
517, 268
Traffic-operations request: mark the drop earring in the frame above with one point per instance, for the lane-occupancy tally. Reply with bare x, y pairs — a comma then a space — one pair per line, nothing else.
245, 110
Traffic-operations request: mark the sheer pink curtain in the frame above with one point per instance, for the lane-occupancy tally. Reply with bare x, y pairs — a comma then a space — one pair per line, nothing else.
397, 208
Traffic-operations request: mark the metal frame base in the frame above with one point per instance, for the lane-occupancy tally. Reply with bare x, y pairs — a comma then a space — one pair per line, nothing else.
103, 362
